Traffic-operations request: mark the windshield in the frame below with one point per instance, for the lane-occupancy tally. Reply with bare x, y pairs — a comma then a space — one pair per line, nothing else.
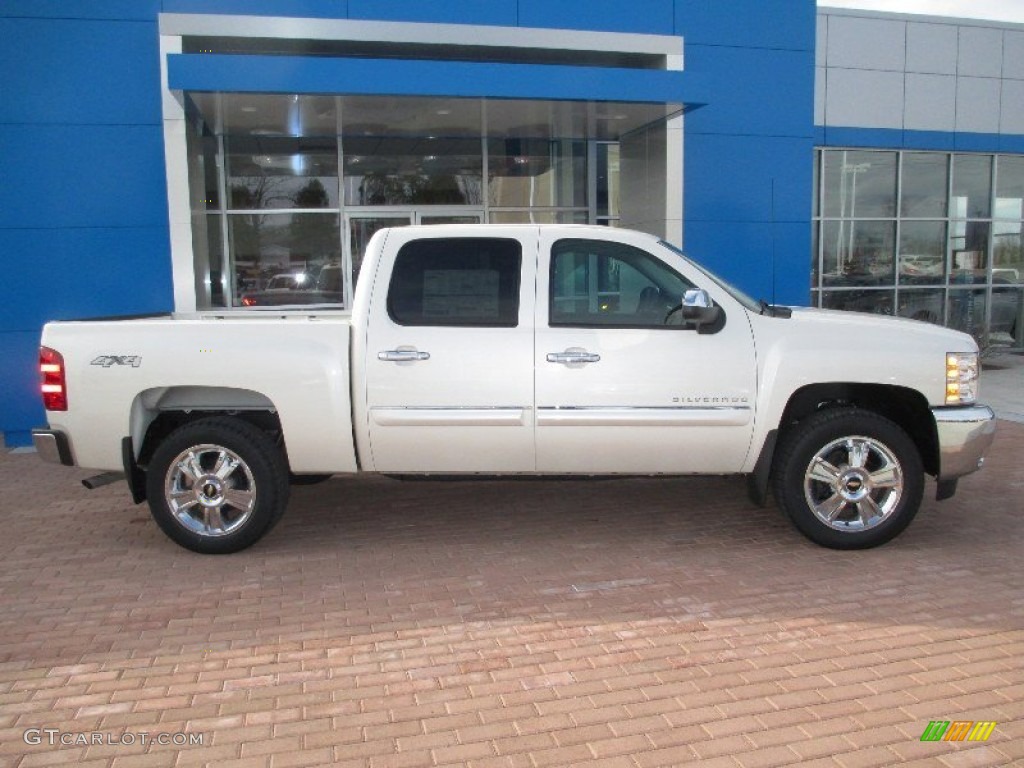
736, 293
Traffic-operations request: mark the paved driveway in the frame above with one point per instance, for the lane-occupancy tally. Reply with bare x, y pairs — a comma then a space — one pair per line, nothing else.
530, 623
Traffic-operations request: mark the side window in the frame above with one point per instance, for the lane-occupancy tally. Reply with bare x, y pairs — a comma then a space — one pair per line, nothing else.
456, 281
599, 283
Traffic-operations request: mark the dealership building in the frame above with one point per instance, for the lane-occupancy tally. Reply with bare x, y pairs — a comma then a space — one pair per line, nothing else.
202, 155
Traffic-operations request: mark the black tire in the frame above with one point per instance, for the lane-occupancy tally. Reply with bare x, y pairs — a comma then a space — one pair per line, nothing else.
308, 479
891, 460
252, 494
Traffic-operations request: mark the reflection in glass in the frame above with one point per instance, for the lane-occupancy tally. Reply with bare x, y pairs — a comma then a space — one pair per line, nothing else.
815, 262
361, 229
1010, 188
212, 274
876, 302
968, 245
925, 184
858, 252
537, 172
972, 187
966, 310
923, 252
265, 172
538, 217
1007, 328
607, 179
1007, 252
860, 183
264, 245
412, 171
925, 304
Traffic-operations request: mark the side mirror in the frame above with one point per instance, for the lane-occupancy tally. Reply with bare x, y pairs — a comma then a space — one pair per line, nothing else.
701, 311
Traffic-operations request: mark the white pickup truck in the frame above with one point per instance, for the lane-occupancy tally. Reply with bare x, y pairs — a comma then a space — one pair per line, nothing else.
489, 350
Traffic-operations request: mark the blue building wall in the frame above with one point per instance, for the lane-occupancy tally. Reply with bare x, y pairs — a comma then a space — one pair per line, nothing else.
83, 208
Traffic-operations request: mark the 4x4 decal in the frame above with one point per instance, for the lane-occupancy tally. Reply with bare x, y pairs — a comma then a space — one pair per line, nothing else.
108, 360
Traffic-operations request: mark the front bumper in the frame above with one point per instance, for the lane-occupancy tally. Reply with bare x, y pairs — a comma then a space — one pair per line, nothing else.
52, 446
964, 434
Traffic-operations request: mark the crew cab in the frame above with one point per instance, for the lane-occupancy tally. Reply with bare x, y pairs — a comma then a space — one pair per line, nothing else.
497, 350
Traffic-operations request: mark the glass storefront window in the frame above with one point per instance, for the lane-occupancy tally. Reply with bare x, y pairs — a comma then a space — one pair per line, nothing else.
959, 242
537, 173
1009, 189
412, 171
972, 187
922, 252
213, 276
966, 310
293, 245
858, 252
968, 248
538, 217
290, 192
874, 301
1007, 324
1007, 252
860, 184
925, 184
608, 180
267, 172
925, 304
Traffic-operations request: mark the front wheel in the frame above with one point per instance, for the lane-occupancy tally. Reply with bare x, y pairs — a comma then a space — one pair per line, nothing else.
217, 485
848, 478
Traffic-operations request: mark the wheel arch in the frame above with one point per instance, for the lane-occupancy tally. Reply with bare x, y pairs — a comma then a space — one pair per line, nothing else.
157, 412
904, 406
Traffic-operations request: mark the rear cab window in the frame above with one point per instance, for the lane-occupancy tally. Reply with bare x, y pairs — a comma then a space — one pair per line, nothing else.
456, 282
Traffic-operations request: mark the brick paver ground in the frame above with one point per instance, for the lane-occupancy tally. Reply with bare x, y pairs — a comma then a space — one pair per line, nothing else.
531, 623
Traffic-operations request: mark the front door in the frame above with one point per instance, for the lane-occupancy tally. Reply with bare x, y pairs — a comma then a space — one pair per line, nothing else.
449, 352
622, 385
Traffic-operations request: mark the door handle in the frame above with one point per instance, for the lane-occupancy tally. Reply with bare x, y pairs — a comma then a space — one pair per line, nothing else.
573, 357
402, 355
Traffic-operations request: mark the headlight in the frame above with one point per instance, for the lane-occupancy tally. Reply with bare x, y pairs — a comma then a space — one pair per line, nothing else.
961, 378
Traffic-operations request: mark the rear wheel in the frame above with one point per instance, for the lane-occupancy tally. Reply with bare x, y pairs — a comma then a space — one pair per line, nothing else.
217, 485
849, 478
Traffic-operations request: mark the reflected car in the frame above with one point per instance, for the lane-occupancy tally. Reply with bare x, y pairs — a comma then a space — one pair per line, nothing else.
326, 290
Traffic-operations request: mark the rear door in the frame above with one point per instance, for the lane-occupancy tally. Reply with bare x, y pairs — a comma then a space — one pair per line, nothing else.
449, 351
622, 385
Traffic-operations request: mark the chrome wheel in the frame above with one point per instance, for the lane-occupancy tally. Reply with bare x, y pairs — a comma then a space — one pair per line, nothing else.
210, 490
853, 483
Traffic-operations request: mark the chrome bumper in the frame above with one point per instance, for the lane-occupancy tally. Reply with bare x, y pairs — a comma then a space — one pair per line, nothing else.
964, 433
53, 446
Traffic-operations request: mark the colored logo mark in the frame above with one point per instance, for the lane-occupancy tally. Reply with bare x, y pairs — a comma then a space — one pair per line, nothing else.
958, 730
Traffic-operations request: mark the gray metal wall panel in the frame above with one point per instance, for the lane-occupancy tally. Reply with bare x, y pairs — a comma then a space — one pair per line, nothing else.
1011, 117
1013, 55
977, 104
864, 98
930, 102
821, 41
819, 95
980, 52
931, 48
866, 43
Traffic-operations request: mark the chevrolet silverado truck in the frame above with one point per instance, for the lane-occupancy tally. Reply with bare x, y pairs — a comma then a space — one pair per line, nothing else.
517, 350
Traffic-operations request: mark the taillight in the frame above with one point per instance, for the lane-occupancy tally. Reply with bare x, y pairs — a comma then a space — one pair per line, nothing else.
54, 385
248, 301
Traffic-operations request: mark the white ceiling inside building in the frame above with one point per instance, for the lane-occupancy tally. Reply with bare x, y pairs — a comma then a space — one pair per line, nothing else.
316, 115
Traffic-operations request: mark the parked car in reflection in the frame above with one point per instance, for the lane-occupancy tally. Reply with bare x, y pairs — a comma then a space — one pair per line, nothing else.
326, 289
963, 308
